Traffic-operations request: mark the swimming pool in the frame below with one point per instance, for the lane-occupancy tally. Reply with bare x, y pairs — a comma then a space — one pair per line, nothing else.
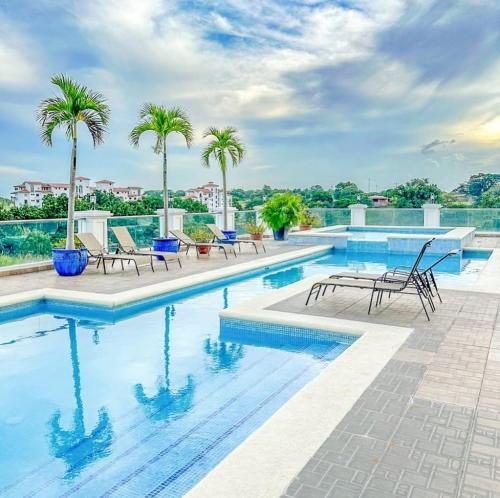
147, 399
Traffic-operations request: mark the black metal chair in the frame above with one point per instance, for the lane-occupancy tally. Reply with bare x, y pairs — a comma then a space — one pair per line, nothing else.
388, 282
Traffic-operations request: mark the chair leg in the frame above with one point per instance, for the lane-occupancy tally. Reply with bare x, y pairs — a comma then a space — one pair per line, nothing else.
136, 267
423, 305
255, 247
179, 261
371, 300
313, 288
121, 261
435, 286
104, 265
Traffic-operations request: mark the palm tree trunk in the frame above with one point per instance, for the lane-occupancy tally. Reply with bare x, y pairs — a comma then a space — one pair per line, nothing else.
224, 189
70, 229
165, 191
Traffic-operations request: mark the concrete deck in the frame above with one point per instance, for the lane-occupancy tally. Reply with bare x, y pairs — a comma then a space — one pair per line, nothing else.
429, 425
94, 280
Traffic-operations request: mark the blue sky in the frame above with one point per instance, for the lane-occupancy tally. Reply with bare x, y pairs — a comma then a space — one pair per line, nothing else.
321, 91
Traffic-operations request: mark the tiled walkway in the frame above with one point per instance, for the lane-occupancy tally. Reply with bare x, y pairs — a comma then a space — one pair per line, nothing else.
429, 425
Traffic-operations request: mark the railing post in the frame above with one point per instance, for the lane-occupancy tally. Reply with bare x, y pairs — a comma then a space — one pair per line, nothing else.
258, 220
95, 222
358, 214
432, 215
175, 219
219, 218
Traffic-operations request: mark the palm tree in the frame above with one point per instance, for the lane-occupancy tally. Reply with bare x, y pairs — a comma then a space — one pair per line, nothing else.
162, 122
224, 142
78, 103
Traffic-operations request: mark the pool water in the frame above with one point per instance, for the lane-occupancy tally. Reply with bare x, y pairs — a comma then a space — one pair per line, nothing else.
381, 233
147, 399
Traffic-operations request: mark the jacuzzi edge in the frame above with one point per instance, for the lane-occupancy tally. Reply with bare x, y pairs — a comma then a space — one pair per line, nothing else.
268, 460
149, 291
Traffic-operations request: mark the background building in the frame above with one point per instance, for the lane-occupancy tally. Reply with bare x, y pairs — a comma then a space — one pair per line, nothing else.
210, 194
31, 193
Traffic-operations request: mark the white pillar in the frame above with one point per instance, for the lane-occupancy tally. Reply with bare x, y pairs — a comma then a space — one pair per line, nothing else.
175, 219
258, 220
95, 222
219, 218
432, 215
358, 214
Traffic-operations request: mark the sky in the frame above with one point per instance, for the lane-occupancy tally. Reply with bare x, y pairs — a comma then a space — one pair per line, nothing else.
372, 91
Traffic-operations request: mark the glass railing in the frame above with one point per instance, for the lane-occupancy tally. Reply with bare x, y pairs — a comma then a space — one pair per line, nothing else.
395, 217
241, 218
142, 229
28, 241
332, 216
487, 220
195, 221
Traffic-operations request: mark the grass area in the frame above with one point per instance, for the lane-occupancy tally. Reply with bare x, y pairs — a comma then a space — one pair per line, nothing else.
18, 260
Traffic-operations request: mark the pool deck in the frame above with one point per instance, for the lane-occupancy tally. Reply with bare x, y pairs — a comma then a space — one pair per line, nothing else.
94, 280
428, 426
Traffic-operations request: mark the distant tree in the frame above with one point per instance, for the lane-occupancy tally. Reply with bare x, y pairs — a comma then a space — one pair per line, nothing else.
414, 194
346, 193
77, 104
224, 143
162, 122
478, 184
490, 198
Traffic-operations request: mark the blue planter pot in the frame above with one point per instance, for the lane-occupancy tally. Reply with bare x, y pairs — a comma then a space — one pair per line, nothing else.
230, 234
170, 244
281, 234
69, 262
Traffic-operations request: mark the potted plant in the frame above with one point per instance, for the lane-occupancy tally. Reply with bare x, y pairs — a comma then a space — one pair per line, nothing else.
308, 220
84, 256
255, 230
224, 142
162, 122
78, 104
202, 235
281, 212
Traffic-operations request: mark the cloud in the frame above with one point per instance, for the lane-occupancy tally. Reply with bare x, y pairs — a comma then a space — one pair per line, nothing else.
17, 57
14, 170
436, 144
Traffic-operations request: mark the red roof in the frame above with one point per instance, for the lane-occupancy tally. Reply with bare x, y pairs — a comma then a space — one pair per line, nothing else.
82, 178
105, 181
120, 189
58, 185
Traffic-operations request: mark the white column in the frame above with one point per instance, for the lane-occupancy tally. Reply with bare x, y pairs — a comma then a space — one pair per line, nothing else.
95, 222
358, 214
432, 215
219, 218
175, 219
258, 220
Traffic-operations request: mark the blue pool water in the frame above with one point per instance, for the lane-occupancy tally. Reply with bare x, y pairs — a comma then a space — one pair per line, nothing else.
145, 400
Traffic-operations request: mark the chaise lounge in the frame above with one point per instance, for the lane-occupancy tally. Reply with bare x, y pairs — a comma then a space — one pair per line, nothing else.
391, 282
219, 236
188, 242
128, 246
97, 251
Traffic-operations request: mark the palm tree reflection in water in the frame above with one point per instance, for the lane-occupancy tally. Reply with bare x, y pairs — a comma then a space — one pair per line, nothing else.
223, 355
167, 402
77, 448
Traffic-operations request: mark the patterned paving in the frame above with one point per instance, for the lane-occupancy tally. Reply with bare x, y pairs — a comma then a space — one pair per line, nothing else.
429, 425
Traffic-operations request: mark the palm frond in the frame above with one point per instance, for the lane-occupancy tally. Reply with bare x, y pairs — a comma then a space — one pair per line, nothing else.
138, 130
77, 103
225, 140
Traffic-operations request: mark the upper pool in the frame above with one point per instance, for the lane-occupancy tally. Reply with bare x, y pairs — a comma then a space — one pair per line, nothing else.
147, 399
381, 233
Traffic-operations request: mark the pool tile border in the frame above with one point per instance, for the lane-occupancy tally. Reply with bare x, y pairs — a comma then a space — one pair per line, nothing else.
264, 464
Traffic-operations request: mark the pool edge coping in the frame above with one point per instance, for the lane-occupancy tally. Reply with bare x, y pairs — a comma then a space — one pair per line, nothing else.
153, 290
297, 429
